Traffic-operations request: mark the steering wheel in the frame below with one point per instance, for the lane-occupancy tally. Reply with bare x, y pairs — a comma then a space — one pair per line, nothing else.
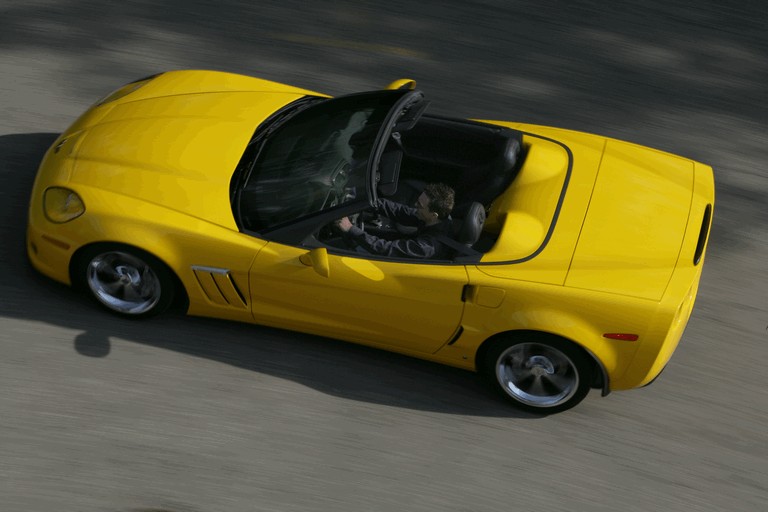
357, 220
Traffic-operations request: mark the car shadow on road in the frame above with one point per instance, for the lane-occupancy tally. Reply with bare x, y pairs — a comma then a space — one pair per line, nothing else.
330, 366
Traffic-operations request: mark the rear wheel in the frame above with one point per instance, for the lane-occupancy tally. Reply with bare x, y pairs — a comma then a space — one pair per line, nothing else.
125, 280
538, 373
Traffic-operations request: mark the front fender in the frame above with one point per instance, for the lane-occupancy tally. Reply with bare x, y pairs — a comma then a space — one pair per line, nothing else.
180, 241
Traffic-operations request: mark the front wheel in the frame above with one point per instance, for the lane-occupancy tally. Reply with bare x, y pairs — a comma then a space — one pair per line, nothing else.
125, 280
538, 373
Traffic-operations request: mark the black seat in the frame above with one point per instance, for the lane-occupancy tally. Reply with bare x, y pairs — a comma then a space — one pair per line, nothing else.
468, 229
485, 182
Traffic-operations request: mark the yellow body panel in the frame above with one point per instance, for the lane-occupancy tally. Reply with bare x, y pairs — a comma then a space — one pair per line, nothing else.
635, 223
413, 308
580, 248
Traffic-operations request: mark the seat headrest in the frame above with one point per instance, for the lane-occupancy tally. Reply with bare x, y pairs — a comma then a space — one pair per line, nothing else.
471, 226
512, 152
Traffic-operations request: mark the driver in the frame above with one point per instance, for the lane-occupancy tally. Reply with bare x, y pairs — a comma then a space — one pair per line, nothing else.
430, 217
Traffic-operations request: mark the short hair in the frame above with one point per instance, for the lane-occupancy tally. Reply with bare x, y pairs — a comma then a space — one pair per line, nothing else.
441, 198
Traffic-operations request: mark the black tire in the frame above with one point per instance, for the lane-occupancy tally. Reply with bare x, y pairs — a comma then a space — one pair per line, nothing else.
125, 280
538, 373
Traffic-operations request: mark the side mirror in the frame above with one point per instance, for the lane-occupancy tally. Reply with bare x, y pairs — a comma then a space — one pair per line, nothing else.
403, 83
317, 258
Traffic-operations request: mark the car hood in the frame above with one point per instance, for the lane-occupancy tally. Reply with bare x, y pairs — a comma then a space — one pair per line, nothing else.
178, 151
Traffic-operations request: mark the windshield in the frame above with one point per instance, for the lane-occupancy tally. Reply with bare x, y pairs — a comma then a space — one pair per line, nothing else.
317, 159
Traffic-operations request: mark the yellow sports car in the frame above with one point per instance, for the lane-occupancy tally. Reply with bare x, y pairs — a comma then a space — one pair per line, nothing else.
563, 261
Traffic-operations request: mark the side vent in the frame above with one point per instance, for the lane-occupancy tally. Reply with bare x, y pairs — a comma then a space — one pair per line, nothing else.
703, 235
219, 287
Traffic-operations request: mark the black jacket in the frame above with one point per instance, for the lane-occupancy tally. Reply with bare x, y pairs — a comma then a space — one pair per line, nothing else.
425, 243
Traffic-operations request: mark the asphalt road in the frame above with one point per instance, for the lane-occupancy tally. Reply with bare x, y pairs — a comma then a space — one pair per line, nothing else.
193, 415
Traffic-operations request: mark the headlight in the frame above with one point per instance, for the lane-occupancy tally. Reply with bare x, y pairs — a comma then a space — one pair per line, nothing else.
125, 90
62, 205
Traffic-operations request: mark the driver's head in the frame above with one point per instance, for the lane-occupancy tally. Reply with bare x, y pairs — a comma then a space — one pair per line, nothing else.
441, 198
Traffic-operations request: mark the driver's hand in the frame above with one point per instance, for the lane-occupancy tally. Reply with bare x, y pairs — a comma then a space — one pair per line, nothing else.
344, 224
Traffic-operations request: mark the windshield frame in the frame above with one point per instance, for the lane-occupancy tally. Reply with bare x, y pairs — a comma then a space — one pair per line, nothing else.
403, 114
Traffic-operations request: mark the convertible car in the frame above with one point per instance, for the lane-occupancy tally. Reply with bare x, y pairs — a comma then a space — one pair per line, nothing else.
574, 258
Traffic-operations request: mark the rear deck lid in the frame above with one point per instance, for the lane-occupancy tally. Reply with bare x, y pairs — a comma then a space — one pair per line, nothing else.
634, 227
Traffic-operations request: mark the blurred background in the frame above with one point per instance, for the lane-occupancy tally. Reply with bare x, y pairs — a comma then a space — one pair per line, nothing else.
178, 414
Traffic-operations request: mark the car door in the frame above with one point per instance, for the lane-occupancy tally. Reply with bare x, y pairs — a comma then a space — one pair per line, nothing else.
411, 306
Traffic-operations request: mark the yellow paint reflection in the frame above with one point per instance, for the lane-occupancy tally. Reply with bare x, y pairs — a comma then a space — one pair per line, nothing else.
365, 268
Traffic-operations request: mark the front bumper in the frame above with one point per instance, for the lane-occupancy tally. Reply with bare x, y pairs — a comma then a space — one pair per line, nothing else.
49, 245
49, 253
